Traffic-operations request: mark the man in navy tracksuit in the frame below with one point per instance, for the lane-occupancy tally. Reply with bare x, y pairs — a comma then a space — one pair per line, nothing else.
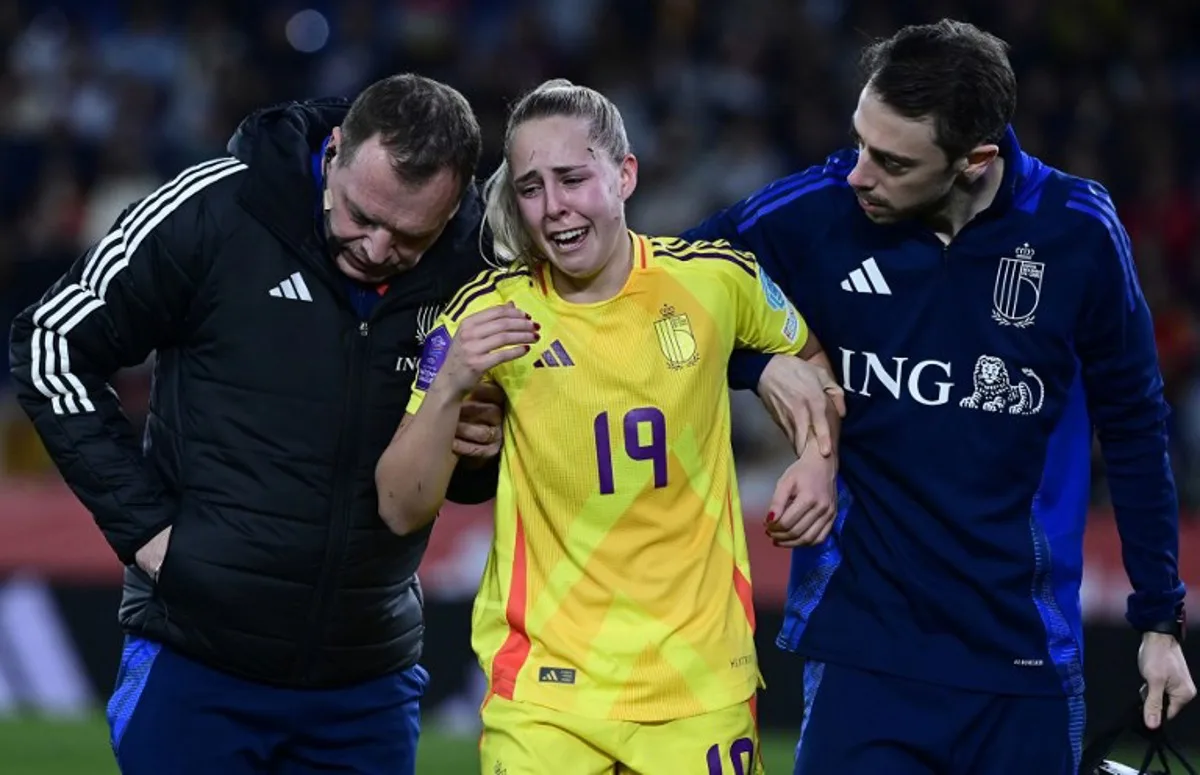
984, 314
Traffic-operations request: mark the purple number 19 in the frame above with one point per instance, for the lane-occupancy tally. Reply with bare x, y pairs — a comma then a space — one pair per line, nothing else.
743, 746
655, 450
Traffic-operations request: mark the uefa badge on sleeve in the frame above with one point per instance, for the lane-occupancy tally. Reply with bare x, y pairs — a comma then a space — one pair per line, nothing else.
776, 299
437, 345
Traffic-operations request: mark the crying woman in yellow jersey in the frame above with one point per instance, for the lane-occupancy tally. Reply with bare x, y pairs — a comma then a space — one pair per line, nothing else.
614, 619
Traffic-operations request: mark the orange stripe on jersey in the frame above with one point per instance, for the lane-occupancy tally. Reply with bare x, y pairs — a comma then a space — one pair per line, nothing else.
640, 249
512, 655
541, 278
741, 584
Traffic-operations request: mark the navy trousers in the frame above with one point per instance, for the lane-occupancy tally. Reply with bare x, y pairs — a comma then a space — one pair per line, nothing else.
170, 714
862, 723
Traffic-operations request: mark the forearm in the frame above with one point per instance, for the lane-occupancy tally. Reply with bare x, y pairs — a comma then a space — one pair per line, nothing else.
104, 467
835, 426
832, 414
1145, 504
91, 441
1129, 412
1114, 343
414, 472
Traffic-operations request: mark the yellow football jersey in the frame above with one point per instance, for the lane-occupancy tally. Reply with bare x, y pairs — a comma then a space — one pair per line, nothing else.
618, 583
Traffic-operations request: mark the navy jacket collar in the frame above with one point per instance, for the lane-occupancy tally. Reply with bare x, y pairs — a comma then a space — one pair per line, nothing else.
1018, 171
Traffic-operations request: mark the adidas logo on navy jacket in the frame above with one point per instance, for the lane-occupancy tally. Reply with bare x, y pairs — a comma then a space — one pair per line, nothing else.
972, 386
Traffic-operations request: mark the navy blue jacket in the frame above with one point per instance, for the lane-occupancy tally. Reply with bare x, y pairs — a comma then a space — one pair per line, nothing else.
975, 374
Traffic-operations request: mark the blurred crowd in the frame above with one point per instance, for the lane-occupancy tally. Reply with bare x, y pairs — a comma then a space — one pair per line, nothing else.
104, 99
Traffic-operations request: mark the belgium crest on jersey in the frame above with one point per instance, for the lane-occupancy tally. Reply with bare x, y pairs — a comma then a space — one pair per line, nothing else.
676, 338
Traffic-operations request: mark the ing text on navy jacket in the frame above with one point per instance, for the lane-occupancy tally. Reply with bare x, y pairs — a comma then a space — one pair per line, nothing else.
974, 374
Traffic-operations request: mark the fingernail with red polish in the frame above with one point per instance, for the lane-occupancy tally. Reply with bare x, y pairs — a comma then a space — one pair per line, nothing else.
537, 326
770, 516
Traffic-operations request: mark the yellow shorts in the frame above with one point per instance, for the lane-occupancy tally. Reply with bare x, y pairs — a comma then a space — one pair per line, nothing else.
525, 739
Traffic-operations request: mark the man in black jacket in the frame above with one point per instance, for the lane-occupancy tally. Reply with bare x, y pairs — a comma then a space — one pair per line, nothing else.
273, 622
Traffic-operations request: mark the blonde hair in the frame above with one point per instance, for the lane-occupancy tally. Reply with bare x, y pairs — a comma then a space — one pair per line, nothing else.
557, 97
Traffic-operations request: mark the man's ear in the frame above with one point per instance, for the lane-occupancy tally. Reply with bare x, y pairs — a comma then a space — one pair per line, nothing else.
333, 146
978, 160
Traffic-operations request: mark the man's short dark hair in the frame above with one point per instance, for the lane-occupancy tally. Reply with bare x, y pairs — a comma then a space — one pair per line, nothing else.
952, 72
423, 124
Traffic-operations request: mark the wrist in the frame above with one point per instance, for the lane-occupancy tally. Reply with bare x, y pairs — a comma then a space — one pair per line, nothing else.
1161, 638
811, 454
1175, 627
445, 396
762, 362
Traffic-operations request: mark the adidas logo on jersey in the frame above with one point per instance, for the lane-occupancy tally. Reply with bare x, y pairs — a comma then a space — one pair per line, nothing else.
556, 675
867, 279
555, 356
293, 288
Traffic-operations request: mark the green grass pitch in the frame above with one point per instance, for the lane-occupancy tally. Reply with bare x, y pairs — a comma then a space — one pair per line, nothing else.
42, 747
30, 746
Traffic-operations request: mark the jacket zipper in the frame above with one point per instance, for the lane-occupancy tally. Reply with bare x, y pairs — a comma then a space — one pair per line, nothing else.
342, 502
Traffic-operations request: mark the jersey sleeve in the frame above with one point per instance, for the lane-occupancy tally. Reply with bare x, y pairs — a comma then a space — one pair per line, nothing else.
433, 355
778, 223
767, 321
745, 365
479, 294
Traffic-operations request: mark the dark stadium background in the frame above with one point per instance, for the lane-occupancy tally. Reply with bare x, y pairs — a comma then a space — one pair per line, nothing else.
102, 100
